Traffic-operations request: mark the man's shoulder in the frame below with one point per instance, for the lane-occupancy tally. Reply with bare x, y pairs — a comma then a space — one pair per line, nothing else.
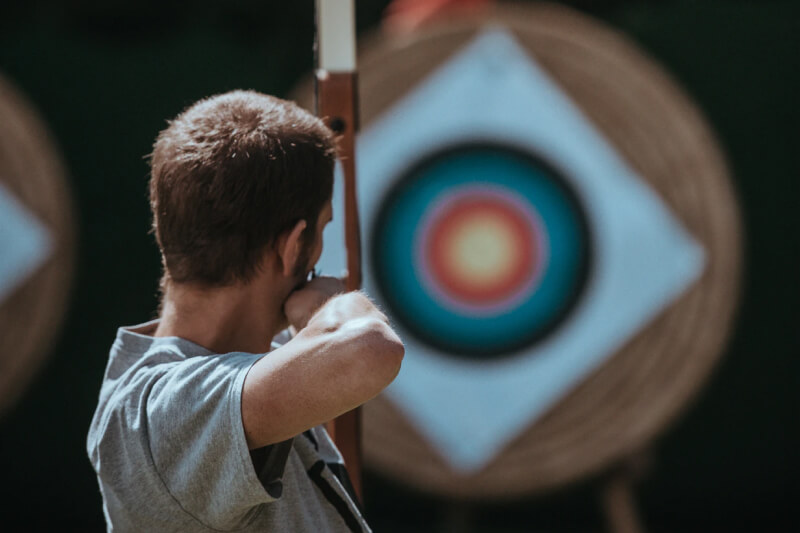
143, 371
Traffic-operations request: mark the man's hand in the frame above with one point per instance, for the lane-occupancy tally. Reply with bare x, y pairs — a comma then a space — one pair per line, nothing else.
345, 355
304, 302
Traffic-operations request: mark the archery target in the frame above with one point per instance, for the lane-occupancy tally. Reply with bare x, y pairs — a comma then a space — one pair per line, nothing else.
481, 253
496, 153
480, 250
36, 243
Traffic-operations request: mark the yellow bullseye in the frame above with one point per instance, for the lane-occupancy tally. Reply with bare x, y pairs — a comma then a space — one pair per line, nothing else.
481, 250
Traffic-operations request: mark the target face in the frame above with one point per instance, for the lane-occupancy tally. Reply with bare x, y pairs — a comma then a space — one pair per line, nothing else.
480, 250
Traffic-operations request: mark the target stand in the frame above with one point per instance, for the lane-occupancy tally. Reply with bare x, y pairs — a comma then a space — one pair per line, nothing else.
551, 229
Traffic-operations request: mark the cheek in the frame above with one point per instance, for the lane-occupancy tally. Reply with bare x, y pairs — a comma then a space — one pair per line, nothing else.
318, 247
317, 251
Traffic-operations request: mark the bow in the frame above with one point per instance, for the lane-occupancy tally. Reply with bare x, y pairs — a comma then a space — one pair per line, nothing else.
336, 103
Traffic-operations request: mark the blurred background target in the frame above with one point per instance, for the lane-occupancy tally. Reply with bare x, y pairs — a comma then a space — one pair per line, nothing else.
480, 249
37, 241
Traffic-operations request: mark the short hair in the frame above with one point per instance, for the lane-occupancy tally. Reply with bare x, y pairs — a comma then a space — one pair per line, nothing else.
228, 176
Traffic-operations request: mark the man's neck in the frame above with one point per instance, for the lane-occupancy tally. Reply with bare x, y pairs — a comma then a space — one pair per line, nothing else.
237, 318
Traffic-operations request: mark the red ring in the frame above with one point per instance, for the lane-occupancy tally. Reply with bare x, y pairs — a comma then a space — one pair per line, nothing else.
446, 273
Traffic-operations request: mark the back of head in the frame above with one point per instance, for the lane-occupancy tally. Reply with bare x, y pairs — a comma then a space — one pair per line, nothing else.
229, 175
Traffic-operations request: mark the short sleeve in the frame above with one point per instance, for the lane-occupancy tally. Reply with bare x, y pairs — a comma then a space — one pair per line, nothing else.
198, 444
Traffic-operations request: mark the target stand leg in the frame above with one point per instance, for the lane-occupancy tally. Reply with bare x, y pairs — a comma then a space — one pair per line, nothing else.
617, 494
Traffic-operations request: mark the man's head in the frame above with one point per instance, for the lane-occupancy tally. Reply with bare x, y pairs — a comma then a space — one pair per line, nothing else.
231, 175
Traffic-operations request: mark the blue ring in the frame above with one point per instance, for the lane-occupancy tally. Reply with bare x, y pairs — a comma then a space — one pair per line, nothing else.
508, 330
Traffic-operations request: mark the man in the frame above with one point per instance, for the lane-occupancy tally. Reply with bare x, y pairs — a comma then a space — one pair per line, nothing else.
197, 427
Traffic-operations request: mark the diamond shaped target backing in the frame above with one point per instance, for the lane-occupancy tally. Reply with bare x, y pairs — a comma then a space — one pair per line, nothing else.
643, 258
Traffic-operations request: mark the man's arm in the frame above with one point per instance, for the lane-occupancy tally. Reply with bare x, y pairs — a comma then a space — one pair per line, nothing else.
345, 355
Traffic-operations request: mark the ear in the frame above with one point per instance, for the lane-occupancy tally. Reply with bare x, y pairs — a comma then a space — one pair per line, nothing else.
290, 244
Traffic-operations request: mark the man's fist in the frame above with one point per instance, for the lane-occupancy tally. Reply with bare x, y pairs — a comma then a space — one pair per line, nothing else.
301, 305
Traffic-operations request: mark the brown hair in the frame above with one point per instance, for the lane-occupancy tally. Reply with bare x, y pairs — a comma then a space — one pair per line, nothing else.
228, 176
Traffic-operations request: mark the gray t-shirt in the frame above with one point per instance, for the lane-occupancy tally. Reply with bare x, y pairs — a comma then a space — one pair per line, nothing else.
169, 449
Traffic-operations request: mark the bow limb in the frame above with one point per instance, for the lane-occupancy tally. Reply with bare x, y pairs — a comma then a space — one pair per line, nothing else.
337, 103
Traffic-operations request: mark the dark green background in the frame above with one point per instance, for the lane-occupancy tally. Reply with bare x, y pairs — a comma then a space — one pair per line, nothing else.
105, 75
